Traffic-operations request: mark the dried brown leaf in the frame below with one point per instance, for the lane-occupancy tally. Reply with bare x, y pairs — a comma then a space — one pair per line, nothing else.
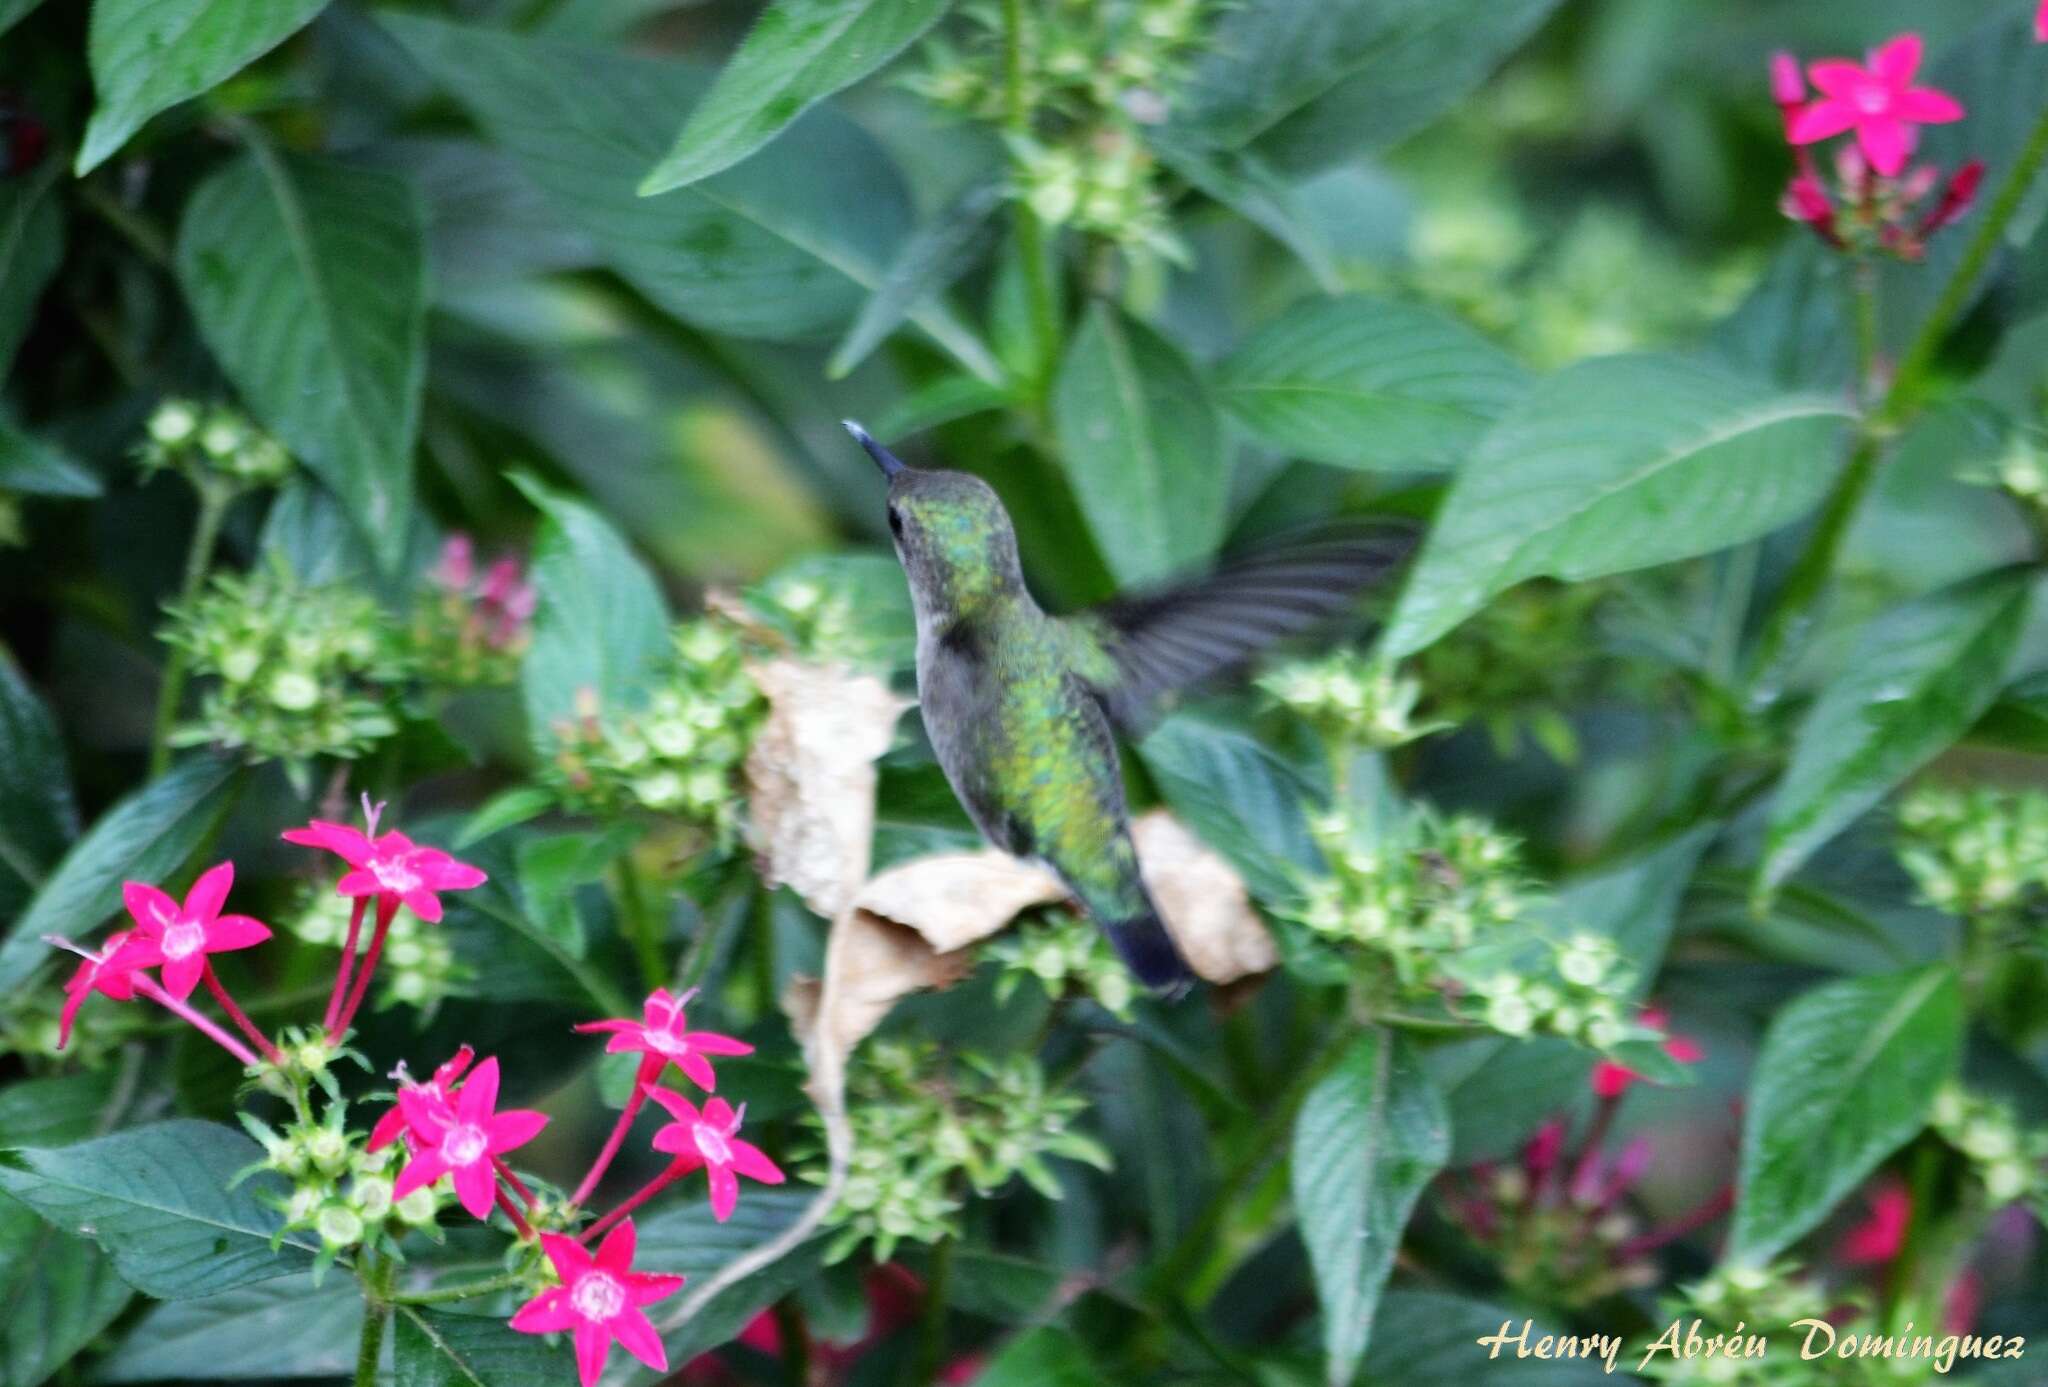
1203, 901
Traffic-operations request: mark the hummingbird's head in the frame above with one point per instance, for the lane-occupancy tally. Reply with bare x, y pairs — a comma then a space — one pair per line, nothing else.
952, 534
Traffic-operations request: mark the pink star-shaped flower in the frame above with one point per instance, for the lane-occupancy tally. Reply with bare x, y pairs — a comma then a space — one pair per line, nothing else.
389, 865
461, 1137
1878, 102
109, 971
660, 1033
440, 1088
601, 1299
1611, 1080
707, 1138
1880, 1236
2041, 22
179, 937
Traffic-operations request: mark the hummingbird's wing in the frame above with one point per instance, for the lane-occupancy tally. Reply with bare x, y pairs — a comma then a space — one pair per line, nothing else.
1140, 648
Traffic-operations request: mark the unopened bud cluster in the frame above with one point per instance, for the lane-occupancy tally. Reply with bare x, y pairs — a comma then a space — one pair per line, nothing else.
1351, 699
1738, 1302
418, 967
1533, 652
212, 441
817, 621
301, 670
2009, 1160
680, 754
1978, 852
927, 1132
1066, 955
1093, 76
1439, 909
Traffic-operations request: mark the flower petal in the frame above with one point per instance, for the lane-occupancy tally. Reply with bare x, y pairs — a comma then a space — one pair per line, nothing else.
725, 1191
751, 1161
349, 844
698, 1069
615, 1253
424, 904
230, 932
674, 1140
1887, 141
70, 1013
606, 1027
477, 1099
361, 882
1928, 106
546, 1313
1837, 76
426, 1112
509, 1130
677, 1106
443, 873
1897, 61
571, 1259
181, 975
1823, 120
712, 1043
422, 1170
593, 1344
388, 1129
152, 910
646, 1287
476, 1185
210, 892
637, 1337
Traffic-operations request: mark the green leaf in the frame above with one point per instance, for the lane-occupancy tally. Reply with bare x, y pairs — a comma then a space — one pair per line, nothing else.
147, 836
599, 622
1313, 82
1046, 1356
31, 248
437, 1348
156, 1198
939, 253
1369, 1138
2019, 719
56, 1294
148, 55
1793, 330
1238, 797
1918, 677
1248, 186
1614, 464
686, 1239
1428, 1336
308, 279
283, 1328
53, 1111
507, 809
551, 868
799, 53
30, 466
785, 246
12, 12
1844, 1079
1143, 448
38, 817
1361, 382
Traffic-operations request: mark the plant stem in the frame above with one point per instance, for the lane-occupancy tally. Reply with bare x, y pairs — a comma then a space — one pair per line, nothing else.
205, 1027
931, 1338
1798, 604
376, 1278
468, 1290
1956, 296
641, 924
676, 1171
511, 1178
239, 1017
213, 508
387, 909
650, 1069
347, 965
1031, 238
1865, 298
511, 1208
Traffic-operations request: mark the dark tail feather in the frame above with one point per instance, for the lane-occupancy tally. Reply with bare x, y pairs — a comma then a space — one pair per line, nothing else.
1142, 942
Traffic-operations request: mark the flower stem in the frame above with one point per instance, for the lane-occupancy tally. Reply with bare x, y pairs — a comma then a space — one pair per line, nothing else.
376, 1315
387, 909
239, 1017
931, 1338
676, 1171
348, 963
468, 1290
199, 1023
505, 1202
213, 508
1955, 297
1798, 604
1031, 237
650, 1069
518, 1185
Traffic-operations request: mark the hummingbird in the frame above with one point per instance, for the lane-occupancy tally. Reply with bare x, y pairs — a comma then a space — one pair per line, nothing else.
1022, 707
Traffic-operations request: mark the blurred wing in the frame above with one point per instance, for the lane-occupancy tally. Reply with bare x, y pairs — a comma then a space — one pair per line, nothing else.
1155, 643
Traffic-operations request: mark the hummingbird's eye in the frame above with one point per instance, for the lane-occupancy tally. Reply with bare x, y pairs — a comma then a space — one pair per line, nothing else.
895, 522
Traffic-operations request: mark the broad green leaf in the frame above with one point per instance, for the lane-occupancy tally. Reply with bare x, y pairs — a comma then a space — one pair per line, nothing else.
599, 623
308, 279
2019, 719
54, 1111
1917, 679
1793, 330
786, 246
1369, 1138
552, 867
1361, 382
38, 817
945, 399
1635, 902
57, 1293
930, 260
31, 247
156, 1198
1142, 446
12, 12
506, 809
148, 55
799, 53
1046, 1356
1431, 1337
685, 1238
1248, 186
438, 1348
1615, 464
147, 836
277, 1329
1314, 82
1238, 797
1844, 1079
30, 466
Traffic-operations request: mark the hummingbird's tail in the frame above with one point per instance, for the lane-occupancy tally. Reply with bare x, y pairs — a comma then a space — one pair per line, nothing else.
1142, 942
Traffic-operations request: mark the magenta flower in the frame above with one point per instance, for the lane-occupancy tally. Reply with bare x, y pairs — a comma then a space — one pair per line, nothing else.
107, 972
462, 1137
440, 1088
1881, 1235
2041, 23
1611, 1080
391, 866
660, 1033
708, 1138
456, 569
179, 937
1878, 102
601, 1299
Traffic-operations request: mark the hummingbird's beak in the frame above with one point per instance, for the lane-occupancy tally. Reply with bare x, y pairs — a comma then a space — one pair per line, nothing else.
884, 459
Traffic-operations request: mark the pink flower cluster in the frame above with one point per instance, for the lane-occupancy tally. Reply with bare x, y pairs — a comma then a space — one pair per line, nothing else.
494, 610
1875, 203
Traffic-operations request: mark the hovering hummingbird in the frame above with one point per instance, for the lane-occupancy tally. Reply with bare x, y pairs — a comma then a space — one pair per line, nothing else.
1020, 705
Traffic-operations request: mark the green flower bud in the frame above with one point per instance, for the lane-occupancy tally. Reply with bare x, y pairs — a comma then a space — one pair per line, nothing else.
418, 1208
174, 423
339, 1226
294, 691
